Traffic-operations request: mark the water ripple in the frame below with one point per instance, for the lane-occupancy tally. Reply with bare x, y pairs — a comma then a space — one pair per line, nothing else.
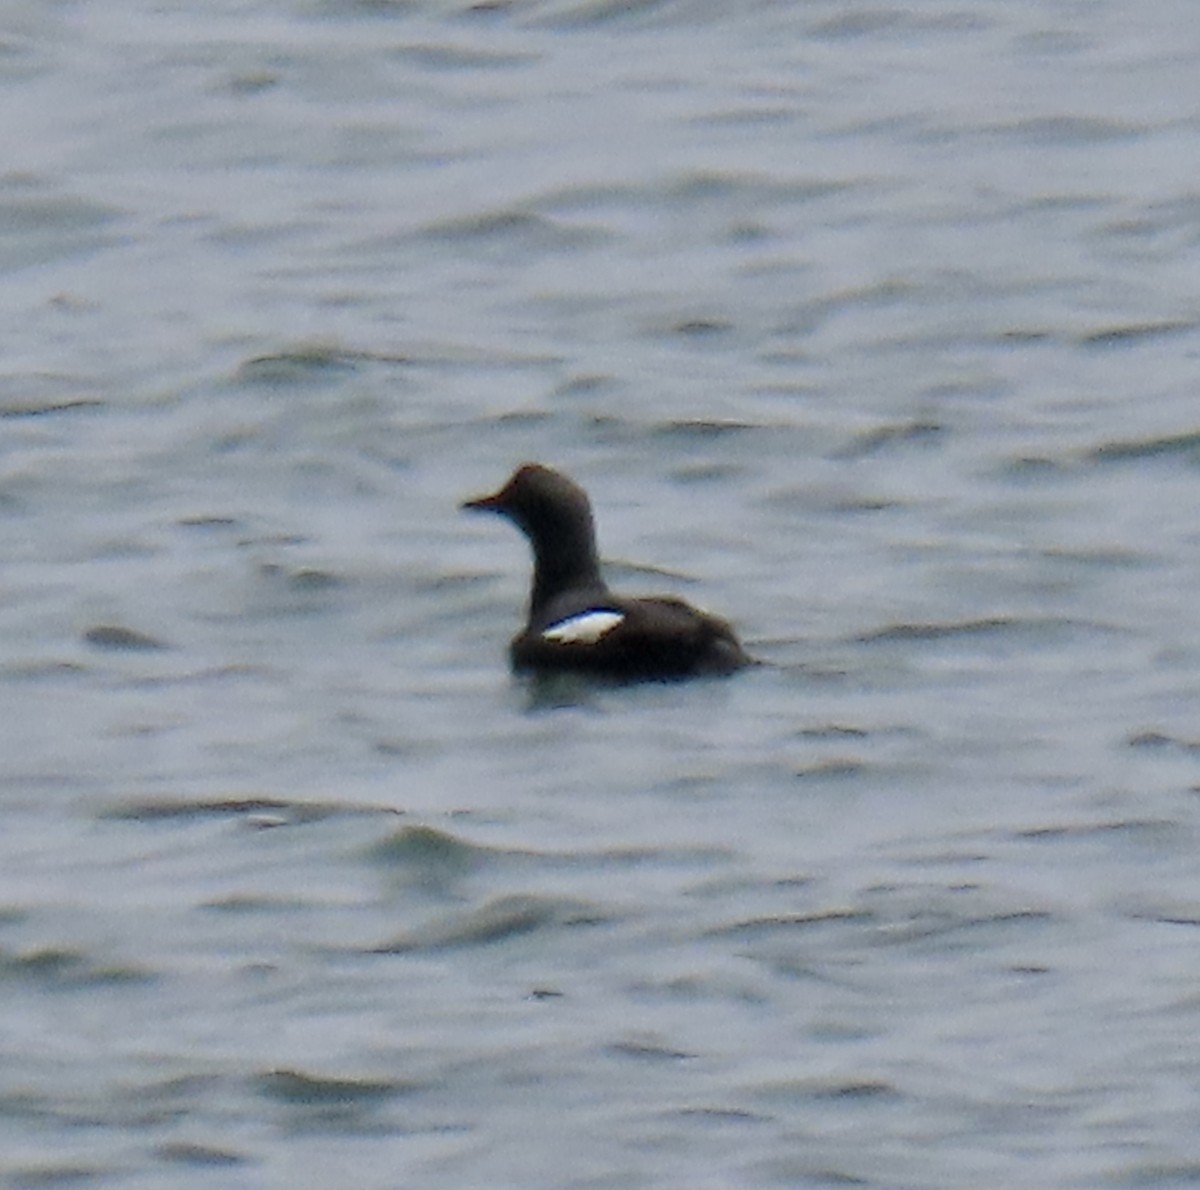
500, 920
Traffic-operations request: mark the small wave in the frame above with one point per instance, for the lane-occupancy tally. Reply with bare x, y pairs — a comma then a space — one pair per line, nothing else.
858, 22
921, 433
832, 769
120, 639
208, 521
260, 811
515, 229
304, 580
699, 428
1149, 829
40, 669
584, 13
45, 408
1132, 334
1160, 740
65, 968
649, 1049
299, 1089
430, 851
26, 207
734, 190
37, 226
758, 927
1168, 913
254, 903
458, 57
938, 924
1155, 1175
1068, 130
498, 921
847, 1089
833, 731
203, 1156
43, 1177
985, 626
319, 360
305, 362
1186, 443
702, 328
1026, 468
707, 471
939, 631
722, 1115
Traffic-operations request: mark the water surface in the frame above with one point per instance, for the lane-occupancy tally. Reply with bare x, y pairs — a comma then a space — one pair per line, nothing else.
871, 327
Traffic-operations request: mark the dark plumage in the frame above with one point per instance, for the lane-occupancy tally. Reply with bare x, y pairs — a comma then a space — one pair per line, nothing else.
575, 621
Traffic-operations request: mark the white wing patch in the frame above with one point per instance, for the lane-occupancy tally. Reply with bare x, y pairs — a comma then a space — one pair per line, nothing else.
584, 629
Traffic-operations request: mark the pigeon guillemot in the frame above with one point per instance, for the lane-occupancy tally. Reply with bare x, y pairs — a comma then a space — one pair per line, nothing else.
575, 621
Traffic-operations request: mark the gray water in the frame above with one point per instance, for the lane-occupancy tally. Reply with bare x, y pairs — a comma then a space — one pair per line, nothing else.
873, 327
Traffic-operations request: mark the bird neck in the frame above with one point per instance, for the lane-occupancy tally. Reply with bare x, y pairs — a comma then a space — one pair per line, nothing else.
558, 568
